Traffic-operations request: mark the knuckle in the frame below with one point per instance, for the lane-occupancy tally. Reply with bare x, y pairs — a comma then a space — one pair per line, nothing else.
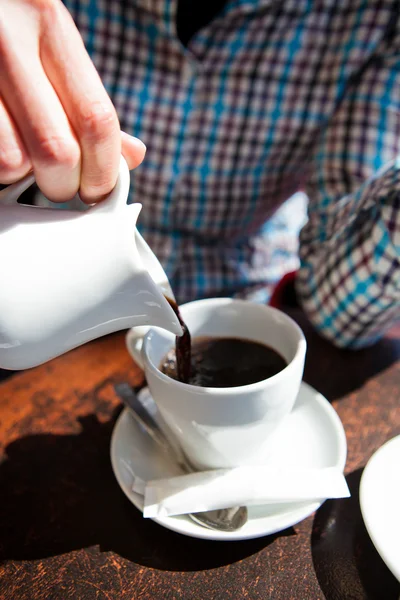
46, 11
96, 189
3, 46
97, 120
46, 8
55, 149
12, 161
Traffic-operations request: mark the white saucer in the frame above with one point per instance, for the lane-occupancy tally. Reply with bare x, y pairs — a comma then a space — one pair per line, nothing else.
311, 436
380, 502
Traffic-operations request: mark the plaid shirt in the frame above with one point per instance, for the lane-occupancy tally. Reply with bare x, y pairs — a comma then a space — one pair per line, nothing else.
271, 97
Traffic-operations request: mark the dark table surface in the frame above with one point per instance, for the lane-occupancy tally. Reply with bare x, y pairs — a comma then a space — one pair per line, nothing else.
68, 531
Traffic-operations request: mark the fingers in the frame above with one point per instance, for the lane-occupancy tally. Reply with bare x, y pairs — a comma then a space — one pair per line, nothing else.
14, 161
42, 122
87, 104
56, 116
53, 149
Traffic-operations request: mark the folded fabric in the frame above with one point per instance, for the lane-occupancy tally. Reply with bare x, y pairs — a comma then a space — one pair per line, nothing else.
252, 485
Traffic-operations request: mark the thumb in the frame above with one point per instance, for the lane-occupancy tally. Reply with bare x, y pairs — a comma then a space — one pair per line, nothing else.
133, 150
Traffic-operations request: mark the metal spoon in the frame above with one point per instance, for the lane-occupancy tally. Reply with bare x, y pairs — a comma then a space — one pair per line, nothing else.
226, 519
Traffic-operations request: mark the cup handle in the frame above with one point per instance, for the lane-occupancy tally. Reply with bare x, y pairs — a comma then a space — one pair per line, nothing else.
134, 342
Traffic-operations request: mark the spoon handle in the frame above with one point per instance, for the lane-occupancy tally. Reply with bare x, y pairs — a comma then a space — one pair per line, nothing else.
150, 425
129, 398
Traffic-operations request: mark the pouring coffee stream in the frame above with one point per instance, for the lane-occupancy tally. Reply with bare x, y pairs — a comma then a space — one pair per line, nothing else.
183, 346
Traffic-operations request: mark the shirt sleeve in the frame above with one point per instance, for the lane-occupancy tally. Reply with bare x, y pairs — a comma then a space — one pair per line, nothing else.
349, 279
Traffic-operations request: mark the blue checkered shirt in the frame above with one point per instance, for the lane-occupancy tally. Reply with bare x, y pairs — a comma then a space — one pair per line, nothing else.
270, 98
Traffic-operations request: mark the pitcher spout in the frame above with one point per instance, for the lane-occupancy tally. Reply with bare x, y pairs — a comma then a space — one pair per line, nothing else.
150, 306
147, 284
153, 266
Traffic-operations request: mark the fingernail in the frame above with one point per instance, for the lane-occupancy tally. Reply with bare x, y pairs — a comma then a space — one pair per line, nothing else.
134, 141
93, 200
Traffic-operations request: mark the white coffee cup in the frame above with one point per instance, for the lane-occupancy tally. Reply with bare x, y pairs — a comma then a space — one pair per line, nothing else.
225, 427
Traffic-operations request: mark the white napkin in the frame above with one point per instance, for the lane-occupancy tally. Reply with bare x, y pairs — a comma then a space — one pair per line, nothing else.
224, 488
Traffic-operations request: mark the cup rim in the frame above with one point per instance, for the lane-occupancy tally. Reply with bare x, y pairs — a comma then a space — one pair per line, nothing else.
224, 391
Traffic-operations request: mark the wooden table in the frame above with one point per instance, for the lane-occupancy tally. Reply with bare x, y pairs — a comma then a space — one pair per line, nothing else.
68, 532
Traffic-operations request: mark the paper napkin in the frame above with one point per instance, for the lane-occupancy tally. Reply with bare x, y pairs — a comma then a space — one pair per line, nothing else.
252, 485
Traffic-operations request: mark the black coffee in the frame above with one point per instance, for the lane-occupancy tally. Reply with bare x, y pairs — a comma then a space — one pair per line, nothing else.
223, 362
183, 347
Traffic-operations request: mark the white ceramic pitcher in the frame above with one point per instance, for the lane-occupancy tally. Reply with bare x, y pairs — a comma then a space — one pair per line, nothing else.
67, 277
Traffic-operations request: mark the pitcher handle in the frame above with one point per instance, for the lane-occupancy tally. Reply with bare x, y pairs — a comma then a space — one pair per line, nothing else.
12, 192
116, 198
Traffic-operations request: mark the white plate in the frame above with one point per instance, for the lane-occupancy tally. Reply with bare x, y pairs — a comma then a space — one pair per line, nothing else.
380, 502
311, 436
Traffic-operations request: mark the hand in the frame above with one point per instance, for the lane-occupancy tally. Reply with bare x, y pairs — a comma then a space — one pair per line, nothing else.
55, 115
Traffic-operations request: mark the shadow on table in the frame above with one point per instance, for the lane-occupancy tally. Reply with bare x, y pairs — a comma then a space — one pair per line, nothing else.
346, 562
338, 371
5, 374
58, 494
